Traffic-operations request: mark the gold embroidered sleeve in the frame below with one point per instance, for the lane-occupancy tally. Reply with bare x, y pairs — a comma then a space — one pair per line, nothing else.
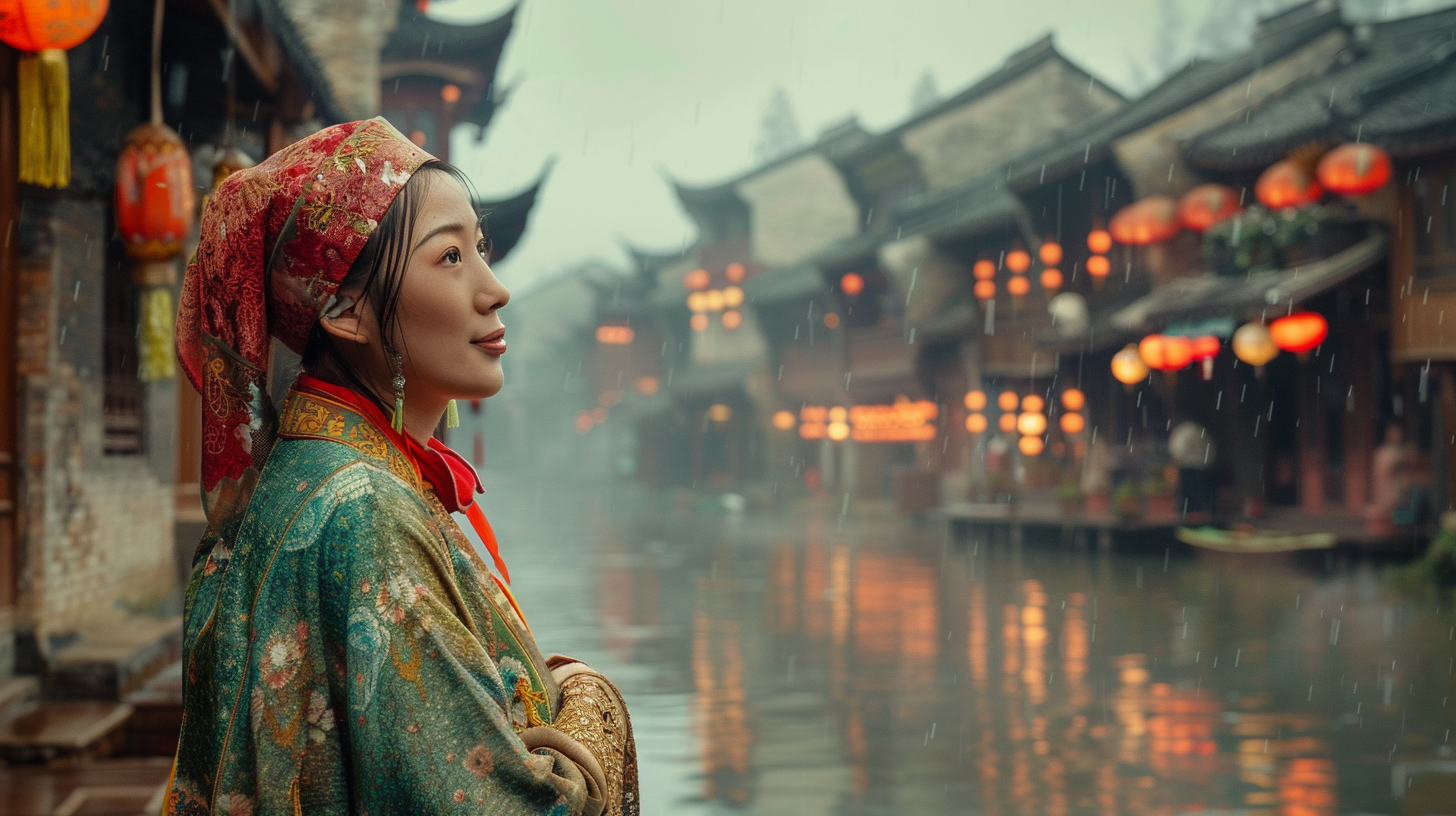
592, 713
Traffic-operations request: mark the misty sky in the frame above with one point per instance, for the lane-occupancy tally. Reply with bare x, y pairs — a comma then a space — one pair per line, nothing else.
622, 91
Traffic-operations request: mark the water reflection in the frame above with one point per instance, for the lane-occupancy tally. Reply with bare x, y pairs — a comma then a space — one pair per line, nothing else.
858, 666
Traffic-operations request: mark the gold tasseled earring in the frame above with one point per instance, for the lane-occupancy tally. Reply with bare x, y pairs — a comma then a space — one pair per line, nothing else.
452, 415
397, 422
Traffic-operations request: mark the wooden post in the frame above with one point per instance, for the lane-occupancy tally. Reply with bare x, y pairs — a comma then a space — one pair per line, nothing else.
1312, 458
1357, 428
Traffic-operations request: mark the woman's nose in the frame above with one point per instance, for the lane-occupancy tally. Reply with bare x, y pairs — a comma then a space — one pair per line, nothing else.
492, 296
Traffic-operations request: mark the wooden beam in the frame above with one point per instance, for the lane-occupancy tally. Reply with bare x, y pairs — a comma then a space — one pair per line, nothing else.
252, 53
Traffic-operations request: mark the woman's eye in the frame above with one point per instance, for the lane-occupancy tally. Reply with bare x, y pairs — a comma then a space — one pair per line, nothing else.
452, 255
483, 248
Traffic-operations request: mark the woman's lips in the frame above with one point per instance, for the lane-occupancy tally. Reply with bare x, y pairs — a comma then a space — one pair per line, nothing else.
494, 345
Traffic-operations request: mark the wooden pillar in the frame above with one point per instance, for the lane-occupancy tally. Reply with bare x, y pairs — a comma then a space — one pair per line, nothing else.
9, 392
1313, 461
1357, 431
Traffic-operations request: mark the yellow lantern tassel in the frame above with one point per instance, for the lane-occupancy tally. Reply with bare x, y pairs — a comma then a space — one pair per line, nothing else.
452, 415
45, 119
155, 360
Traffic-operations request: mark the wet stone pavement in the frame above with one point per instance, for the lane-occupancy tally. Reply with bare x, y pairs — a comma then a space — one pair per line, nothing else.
801, 662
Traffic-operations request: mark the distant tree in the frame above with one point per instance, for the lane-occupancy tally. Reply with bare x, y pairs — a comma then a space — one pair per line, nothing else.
925, 95
779, 132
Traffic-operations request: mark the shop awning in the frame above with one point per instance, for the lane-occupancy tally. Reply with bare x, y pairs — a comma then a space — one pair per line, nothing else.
1211, 295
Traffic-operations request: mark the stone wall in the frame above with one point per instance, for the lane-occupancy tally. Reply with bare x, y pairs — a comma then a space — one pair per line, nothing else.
346, 39
93, 529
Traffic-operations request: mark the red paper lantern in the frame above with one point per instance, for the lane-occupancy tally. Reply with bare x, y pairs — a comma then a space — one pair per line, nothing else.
851, 284
154, 195
1354, 169
1050, 253
984, 270
38, 25
1018, 261
1206, 348
1286, 184
1165, 353
1099, 241
1300, 333
1206, 205
1147, 221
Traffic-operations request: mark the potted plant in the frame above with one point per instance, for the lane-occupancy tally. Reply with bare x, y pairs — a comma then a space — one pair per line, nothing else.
1127, 502
1069, 496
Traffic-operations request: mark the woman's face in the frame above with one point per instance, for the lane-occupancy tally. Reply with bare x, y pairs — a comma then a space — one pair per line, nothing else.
447, 326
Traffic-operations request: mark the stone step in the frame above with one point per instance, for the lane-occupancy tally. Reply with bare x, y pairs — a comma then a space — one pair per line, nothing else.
112, 659
49, 731
156, 720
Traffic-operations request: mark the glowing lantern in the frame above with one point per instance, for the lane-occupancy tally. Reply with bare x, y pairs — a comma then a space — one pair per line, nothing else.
734, 273
614, 335
1072, 423
154, 197
732, 319
1146, 221
1051, 279
1018, 261
1354, 169
718, 412
1206, 205
1165, 353
1032, 403
975, 400
784, 420
697, 279
1031, 424
1099, 241
714, 300
831, 320
1073, 399
699, 322
733, 297
839, 431
976, 423
985, 289
1286, 184
1031, 445
1098, 267
1300, 333
1007, 401
1018, 285
1206, 348
1007, 423
1128, 367
697, 302
647, 385
1050, 253
1253, 345
984, 270
851, 284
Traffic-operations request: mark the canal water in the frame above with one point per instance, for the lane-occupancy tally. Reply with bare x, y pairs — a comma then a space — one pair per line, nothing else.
808, 661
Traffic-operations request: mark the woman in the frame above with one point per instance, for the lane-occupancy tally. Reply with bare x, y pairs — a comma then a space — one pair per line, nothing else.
345, 650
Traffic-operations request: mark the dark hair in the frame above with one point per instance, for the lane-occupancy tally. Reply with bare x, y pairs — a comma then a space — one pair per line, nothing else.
376, 276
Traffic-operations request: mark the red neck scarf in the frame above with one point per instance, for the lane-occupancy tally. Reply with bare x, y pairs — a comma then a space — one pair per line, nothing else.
443, 470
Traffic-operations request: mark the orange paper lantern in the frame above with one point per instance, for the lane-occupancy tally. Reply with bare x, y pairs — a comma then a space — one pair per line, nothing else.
1018, 285
983, 270
1099, 241
735, 272
1018, 261
697, 279
1300, 333
1206, 205
732, 319
1072, 423
1165, 353
1098, 266
40, 25
1031, 424
976, 423
1073, 399
1051, 279
1146, 221
1354, 169
851, 284
1205, 348
1033, 403
1252, 344
154, 196
1286, 184
985, 289
1050, 253
1007, 423
975, 400
1007, 401
1031, 445
1128, 367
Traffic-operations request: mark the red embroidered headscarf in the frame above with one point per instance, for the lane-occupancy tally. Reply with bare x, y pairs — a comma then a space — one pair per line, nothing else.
276, 241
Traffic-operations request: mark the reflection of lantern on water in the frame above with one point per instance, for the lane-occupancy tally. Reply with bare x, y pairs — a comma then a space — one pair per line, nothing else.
1308, 788
1075, 649
718, 676
1034, 639
1129, 706
976, 639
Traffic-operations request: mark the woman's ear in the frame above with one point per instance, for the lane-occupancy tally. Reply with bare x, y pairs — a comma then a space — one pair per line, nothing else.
347, 325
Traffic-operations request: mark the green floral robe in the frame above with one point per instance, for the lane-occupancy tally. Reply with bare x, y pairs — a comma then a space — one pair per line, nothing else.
351, 653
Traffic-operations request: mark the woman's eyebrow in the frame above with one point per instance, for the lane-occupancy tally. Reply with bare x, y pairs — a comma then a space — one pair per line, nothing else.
458, 229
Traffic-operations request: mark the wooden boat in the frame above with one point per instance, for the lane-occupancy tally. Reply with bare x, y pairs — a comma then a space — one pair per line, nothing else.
1253, 541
